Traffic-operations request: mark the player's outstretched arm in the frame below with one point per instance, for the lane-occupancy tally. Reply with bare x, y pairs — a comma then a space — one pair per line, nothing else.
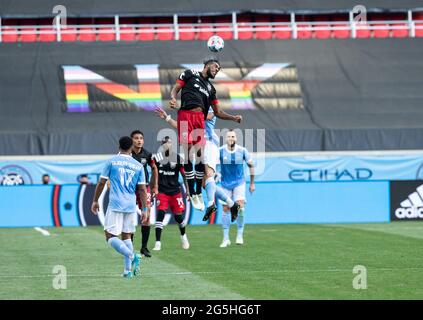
163, 115
251, 168
173, 94
98, 190
225, 116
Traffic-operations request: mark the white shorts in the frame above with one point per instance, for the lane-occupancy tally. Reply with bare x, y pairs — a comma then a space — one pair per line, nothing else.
116, 222
236, 194
211, 155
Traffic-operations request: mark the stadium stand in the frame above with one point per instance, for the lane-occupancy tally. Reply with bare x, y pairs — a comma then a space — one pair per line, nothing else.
332, 92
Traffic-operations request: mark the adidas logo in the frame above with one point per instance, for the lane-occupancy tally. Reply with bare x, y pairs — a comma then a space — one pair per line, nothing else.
412, 207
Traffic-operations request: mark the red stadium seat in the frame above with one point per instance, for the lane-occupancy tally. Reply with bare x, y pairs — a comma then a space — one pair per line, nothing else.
106, 34
48, 35
187, 32
28, 35
341, 33
127, 34
283, 32
400, 30
224, 30
245, 31
419, 30
87, 34
381, 33
68, 34
9, 34
145, 33
165, 33
205, 31
363, 31
264, 32
323, 31
304, 31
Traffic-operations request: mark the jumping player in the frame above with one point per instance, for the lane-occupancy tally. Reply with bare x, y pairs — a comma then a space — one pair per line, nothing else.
211, 159
169, 166
143, 156
197, 95
125, 175
232, 158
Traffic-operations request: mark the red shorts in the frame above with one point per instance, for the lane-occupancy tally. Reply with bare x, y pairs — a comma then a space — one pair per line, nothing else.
191, 127
176, 202
148, 198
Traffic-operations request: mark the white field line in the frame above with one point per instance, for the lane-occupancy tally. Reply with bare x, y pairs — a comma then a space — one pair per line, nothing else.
153, 274
43, 232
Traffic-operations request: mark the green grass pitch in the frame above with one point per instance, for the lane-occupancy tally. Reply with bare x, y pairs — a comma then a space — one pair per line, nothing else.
276, 262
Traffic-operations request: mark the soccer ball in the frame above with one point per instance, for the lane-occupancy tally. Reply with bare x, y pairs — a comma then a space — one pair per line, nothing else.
215, 44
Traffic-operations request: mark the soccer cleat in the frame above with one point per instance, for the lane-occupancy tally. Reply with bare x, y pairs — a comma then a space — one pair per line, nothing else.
157, 246
185, 243
239, 240
145, 252
127, 274
225, 243
195, 202
209, 212
234, 211
201, 202
136, 264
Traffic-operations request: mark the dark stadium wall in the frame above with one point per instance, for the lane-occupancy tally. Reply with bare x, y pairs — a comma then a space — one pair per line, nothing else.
357, 94
160, 7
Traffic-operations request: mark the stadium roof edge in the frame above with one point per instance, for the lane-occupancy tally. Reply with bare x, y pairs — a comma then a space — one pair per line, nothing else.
209, 13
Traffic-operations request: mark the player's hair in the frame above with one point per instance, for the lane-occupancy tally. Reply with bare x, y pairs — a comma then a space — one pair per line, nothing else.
211, 60
125, 143
46, 175
133, 133
165, 140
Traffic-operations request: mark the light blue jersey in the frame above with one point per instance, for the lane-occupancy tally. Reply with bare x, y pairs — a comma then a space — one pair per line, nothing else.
209, 132
124, 173
232, 165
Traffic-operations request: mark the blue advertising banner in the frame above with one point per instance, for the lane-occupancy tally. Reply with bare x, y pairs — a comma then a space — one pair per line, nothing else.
317, 202
270, 168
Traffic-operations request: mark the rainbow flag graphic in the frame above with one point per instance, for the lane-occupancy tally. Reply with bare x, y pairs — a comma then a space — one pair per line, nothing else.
77, 78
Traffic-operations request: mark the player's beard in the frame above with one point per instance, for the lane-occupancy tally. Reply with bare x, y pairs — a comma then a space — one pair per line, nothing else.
209, 74
232, 144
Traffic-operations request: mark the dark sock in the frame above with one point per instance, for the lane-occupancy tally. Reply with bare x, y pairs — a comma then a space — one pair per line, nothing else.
180, 220
190, 175
199, 174
145, 234
159, 224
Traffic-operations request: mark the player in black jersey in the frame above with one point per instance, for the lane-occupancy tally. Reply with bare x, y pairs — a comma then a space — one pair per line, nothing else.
197, 95
145, 158
170, 196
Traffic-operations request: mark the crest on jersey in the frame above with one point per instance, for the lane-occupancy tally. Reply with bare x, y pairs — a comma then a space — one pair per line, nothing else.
173, 165
209, 87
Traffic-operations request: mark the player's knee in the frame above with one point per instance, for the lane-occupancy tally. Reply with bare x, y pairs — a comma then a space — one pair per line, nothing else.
241, 203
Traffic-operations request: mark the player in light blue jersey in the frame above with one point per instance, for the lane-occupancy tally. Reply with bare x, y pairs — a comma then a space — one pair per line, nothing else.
232, 159
126, 175
210, 159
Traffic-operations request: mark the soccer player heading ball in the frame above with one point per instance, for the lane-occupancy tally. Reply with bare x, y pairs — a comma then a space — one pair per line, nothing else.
197, 95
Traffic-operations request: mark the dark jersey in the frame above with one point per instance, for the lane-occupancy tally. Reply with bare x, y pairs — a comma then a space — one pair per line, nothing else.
197, 91
169, 168
145, 158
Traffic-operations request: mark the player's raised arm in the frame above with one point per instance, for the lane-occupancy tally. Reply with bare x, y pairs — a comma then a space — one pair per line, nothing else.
225, 116
173, 94
98, 190
163, 115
